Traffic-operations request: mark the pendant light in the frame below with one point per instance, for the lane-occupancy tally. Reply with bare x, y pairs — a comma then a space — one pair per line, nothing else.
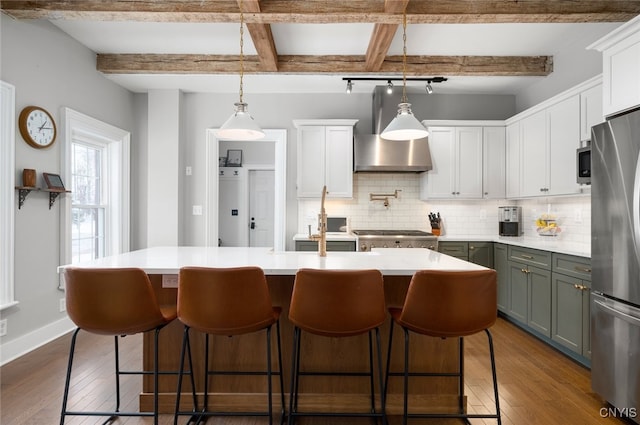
240, 126
405, 125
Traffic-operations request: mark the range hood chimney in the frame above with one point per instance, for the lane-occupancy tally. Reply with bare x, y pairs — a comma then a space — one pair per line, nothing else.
372, 153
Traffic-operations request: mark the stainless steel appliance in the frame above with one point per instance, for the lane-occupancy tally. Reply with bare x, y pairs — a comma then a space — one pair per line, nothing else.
615, 262
371, 153
510, 221
583, 165
368, 239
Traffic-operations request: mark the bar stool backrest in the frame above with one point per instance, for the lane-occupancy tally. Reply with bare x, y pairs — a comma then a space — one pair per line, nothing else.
450, 303
224, 301
113, 301
337, 302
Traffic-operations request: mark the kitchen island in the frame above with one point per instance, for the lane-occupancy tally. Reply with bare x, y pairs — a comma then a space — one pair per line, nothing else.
323, 393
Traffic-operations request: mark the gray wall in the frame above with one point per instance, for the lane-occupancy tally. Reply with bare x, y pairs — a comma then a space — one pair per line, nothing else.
51, 70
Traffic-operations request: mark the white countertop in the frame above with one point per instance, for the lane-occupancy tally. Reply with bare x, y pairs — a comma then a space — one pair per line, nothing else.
553, 244
393, 261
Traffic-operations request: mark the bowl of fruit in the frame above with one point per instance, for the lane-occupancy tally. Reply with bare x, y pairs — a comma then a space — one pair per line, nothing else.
547, 225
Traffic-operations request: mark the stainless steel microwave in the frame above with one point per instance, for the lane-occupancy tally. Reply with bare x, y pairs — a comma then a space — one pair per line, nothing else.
583, 165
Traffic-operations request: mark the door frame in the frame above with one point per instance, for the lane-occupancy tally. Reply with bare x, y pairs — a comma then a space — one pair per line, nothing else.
279, 136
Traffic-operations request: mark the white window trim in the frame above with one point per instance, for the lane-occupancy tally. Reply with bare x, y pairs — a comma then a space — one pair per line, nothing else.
118, 147
7, 193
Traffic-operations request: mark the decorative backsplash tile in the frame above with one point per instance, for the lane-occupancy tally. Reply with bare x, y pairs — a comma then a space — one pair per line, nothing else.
459, 218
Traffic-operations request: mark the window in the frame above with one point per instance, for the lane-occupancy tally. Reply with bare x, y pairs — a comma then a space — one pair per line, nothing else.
89, 206
95, 222
7, 193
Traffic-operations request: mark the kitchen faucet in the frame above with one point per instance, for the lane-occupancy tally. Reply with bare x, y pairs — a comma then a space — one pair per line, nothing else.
321, 237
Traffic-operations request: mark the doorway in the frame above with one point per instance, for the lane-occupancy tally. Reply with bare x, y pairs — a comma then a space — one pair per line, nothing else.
278, 197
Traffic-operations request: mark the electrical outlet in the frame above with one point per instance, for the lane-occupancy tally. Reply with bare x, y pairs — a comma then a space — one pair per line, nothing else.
197, 210
3, 327
577, 217
188, 170
63, 304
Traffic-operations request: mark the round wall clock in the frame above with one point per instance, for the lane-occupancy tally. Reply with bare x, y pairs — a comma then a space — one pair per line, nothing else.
37, 127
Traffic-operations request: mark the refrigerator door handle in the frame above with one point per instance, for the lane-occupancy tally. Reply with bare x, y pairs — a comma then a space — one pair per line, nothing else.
617, 313
636, 209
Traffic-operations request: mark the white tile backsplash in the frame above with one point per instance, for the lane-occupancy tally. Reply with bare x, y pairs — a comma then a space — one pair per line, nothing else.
460, 218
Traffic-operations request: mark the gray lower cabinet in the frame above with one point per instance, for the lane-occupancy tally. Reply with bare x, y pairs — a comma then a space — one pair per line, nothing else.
481, 253
547, 293
571, 283
501, 265
331, 245
530, 288
455, 249
475, 252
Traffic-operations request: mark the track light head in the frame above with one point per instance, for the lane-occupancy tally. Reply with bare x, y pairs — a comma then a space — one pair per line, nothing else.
349, 86
389, 87
429, 88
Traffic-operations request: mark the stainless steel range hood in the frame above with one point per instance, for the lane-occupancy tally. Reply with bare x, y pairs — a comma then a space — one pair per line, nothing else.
375, 154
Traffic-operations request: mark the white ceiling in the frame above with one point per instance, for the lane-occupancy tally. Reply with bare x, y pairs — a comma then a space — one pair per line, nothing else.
522, 39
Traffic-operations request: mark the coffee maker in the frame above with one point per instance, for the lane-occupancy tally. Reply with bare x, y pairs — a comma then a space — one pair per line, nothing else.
510, 221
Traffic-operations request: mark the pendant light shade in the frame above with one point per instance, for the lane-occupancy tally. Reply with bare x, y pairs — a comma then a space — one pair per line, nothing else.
405, 126
240, 125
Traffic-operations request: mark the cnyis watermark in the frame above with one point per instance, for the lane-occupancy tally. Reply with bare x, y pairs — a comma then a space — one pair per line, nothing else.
615, 412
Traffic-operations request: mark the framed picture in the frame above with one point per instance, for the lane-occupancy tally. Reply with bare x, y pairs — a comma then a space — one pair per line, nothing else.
222, 161
54, 182
234, 158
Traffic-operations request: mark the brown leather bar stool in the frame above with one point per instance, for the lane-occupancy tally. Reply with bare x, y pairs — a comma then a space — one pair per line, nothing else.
227, 302
115, 302
337, 304
447, 304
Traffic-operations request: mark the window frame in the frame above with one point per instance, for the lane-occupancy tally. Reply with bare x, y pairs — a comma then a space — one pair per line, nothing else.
7, 194
117, 142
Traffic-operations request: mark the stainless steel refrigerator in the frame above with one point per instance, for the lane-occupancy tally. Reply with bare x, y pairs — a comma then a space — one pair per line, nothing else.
615, 260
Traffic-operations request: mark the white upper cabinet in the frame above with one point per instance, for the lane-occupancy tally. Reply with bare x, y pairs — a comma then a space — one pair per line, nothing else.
563, 127
493, 162
548, 142
534, 176
542, 142
621, 67
325, 157
512, 178
590, 111
456, 153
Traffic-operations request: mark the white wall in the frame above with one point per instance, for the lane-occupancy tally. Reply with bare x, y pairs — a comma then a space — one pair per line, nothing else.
61, 74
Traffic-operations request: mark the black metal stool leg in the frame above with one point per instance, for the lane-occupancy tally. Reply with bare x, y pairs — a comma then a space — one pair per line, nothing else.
383, 397
117, 374
185, 339
269, 383
65, 396
386, 379
371, 380
406, 377
495, 376
282, 408
295, 358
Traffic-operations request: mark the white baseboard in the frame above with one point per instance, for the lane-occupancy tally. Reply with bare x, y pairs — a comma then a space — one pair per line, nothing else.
11, 350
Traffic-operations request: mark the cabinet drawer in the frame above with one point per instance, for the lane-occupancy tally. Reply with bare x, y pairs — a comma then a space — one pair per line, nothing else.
455, 249
530, 256
579, 267
331, 245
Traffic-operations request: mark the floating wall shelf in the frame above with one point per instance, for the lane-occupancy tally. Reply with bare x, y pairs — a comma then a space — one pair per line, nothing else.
24, 191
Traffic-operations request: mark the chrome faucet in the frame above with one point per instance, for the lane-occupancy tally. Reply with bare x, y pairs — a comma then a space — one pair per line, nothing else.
321, 236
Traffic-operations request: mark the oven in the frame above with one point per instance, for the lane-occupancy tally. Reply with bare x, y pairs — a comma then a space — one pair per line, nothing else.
368, 239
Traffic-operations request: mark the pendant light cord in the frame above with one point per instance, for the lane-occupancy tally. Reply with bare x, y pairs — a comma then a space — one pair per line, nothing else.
404, 56
241, 49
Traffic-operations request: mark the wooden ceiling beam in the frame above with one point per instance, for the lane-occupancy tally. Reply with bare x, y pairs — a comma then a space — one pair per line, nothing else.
322, 11
262, 37
354, 65
382, 36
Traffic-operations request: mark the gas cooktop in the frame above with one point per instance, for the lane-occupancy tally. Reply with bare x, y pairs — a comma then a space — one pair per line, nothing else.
391, 233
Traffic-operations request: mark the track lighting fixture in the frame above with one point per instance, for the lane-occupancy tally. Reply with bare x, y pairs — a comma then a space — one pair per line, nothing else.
349, 86
429, 88
389, 87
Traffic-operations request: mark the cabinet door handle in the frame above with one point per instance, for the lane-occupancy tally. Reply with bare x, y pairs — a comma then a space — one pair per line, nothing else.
524, 270
528, 257
582, 269
472, 247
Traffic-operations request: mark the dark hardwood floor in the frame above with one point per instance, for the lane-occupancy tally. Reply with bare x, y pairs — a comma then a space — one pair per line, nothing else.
537, 384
